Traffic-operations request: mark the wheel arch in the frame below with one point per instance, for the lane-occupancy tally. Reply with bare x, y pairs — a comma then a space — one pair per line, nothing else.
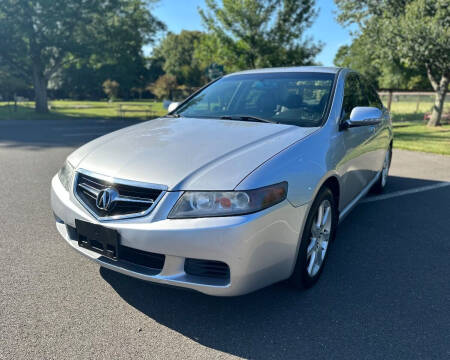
331, 181
333, 184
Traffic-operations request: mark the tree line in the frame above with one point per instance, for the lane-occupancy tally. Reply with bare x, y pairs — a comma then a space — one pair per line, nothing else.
89, 49
400, 44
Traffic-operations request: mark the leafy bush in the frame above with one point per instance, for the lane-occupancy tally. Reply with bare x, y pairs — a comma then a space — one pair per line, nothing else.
111, 89
163, 87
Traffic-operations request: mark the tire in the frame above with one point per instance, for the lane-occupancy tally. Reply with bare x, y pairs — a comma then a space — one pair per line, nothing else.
379, 186
307, 271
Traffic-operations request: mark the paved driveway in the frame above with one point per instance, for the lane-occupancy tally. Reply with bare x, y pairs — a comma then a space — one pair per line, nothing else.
385, 293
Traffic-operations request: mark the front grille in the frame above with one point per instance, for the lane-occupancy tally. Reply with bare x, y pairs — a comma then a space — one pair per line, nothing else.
207, 268
128, 200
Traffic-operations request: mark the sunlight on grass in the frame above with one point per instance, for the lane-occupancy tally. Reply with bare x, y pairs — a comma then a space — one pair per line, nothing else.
417, 136
409, 111
68, 109
411, 132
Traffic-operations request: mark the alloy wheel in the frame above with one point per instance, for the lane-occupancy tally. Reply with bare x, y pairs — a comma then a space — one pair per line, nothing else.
319, 239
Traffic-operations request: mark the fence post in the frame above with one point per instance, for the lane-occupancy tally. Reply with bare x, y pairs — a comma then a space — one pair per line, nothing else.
389, 100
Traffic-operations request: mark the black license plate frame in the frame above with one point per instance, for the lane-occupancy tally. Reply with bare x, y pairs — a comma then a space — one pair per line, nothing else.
97, 238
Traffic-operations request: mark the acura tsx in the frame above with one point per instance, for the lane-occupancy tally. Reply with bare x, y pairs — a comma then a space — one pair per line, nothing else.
241, 185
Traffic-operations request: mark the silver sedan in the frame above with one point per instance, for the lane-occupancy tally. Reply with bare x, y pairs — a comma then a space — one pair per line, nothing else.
241, 185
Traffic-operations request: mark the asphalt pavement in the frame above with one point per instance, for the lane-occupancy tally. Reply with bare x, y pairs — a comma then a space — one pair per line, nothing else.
384, 294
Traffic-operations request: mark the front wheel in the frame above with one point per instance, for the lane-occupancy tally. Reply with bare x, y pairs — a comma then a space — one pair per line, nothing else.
319, 231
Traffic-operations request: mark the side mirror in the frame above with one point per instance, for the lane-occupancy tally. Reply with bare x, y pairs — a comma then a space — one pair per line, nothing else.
363, 116
172, 106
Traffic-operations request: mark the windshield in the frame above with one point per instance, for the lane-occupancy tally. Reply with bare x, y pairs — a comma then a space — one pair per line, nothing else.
295, 98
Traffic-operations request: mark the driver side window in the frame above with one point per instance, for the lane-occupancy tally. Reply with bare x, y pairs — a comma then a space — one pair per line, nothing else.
353, 95
372, 96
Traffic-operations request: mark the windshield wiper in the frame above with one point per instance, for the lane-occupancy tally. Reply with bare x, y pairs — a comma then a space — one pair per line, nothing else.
173, 115
247, 118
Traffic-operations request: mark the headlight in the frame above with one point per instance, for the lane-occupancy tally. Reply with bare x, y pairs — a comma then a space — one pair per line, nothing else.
65, 175
193, 204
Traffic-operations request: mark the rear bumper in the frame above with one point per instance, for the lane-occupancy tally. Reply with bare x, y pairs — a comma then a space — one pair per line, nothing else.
259, 248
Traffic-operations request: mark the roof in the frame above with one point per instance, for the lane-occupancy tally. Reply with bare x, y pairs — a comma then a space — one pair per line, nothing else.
318, 69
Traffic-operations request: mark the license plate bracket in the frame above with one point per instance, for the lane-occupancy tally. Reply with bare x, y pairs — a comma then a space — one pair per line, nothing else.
98, 238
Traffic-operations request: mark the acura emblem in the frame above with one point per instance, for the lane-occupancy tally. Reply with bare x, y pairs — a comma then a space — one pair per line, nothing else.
106, 199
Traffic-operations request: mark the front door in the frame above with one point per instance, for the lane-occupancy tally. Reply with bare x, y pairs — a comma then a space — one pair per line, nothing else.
356, 167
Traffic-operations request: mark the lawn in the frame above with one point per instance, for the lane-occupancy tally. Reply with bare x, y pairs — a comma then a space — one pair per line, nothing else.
415, 135
68, 109
410, 131
408, 111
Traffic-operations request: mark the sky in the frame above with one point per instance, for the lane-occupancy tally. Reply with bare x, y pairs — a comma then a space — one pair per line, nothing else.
183, 14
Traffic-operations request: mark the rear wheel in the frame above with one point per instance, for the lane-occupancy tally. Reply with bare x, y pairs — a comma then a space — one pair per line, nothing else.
319, 231
379, 186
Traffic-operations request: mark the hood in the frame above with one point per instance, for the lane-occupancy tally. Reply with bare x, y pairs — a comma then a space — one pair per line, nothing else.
187, 153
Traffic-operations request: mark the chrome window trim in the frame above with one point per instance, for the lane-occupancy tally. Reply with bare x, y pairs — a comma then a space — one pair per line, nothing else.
112, 181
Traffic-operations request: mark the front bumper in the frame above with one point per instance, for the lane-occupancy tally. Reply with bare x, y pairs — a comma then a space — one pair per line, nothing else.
259, 248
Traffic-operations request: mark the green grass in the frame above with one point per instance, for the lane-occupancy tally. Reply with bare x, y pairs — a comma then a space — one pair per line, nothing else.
68, 109
416, 136
410, 131
409, 111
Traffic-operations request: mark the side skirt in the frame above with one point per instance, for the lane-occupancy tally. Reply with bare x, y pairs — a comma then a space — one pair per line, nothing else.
354, 202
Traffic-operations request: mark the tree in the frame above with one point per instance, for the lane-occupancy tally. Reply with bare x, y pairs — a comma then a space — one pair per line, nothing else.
358, 57
155, 66
259, 33
415, 31
111, 89
11, 83
40, 37
163, 87
209, 50
361, 56
179, 60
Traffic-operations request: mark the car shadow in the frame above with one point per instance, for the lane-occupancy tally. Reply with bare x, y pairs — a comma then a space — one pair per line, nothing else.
380, 296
